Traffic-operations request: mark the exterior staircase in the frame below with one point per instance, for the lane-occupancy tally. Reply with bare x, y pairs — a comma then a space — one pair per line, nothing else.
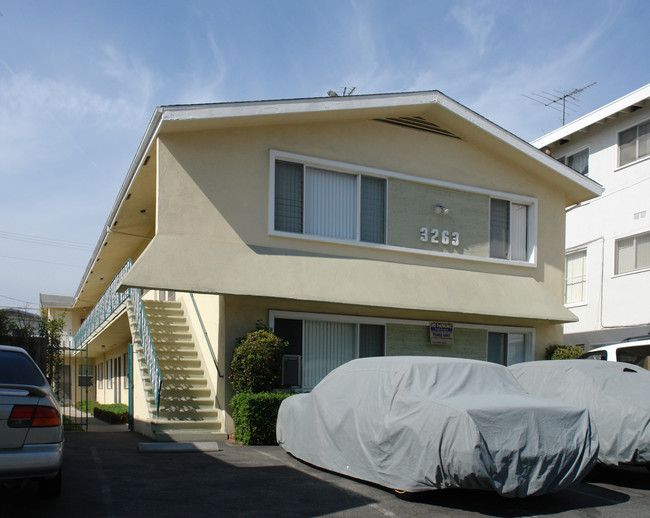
187, 410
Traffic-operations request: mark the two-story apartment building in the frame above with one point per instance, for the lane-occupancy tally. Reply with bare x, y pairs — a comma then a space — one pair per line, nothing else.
608, 238
396, 224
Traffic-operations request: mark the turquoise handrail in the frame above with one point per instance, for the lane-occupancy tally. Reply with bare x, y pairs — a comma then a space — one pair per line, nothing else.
111, 300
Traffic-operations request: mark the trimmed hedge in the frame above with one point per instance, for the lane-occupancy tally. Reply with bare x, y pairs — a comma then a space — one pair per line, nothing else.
113, 414
257, 362
255, 416
563, 352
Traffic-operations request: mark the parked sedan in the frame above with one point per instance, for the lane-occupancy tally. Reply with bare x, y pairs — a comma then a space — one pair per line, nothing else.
615, 393
31, 428
420, 423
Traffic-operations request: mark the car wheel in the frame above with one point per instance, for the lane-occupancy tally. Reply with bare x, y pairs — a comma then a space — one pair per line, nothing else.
50, 487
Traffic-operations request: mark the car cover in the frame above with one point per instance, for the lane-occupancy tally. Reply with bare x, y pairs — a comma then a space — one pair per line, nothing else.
421, 423
616, 395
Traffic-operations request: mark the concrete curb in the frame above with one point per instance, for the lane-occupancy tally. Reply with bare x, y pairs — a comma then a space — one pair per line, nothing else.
173, 447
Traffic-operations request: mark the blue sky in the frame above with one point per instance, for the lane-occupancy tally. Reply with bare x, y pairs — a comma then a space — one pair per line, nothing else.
79, 81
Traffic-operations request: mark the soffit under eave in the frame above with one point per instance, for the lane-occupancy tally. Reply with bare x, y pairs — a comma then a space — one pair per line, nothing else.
178, 263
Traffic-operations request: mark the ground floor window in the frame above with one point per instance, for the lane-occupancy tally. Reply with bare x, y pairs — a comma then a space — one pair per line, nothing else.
100, 376
316, 347
507, 348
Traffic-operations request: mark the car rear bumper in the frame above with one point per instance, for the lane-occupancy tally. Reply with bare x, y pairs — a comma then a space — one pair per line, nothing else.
32, 460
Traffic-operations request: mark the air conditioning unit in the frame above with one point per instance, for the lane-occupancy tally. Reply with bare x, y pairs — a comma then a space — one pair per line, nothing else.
292, 370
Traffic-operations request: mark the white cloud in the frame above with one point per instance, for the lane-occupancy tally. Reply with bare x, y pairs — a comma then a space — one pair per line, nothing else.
478, 19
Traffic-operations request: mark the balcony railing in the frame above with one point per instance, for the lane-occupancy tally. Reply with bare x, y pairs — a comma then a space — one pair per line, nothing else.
110, 301
106, 305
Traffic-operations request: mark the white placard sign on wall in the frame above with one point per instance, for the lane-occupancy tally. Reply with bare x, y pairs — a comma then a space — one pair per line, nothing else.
441, 333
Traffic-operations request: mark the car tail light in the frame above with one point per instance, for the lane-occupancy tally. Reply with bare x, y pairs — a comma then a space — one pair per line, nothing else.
46, 416
24, 416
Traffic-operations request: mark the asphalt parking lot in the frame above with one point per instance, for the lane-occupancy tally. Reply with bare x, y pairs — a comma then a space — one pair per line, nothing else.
106, 476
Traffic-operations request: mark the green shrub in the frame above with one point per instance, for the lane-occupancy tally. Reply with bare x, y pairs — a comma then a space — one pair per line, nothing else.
563, 352
257, 362
114, 414
86, 406
255, 416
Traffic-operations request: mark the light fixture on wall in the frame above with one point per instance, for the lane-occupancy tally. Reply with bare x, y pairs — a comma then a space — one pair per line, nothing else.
441, 209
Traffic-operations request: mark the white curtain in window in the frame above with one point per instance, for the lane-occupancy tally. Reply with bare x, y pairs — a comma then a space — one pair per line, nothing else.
516, 348
575, 277
518, 232
326, 345
643, 251
625, 255
330, 204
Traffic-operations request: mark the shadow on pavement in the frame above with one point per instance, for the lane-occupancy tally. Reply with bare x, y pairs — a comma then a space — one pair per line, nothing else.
633, 477
103, 475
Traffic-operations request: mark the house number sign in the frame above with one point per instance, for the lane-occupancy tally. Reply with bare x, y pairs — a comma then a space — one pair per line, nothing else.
435, 236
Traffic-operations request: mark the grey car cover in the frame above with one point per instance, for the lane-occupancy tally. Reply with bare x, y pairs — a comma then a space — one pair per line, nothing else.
617, 396
420, 423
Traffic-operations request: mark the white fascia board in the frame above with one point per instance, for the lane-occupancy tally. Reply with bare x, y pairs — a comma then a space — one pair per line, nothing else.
520, 145
595, 116
289, 106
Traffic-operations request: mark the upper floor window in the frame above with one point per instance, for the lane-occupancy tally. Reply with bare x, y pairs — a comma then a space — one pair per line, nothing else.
576, 277
508, 230
633, 253
633, 143
320, 202
578, 161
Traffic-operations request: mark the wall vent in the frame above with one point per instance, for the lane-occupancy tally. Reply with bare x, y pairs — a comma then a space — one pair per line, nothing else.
418, 123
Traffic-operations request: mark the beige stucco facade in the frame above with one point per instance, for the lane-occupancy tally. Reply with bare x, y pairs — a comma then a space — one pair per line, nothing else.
196, 216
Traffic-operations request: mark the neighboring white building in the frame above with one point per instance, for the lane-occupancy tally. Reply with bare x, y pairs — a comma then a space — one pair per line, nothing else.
608, 239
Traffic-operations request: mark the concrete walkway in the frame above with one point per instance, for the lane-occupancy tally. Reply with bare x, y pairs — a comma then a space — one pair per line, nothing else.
94, 425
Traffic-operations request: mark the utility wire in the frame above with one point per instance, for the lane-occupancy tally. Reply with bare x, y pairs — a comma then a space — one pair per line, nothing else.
25, 238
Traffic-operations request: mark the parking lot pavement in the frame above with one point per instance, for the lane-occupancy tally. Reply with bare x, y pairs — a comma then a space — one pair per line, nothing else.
105, 476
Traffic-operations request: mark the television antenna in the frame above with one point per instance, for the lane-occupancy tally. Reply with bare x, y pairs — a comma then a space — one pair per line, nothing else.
347, 91
560, 100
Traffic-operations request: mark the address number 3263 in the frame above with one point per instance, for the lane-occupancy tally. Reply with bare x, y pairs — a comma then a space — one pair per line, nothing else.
443, 237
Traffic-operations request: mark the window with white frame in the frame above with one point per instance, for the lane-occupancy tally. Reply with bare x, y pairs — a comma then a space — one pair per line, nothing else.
508, 230
633, 143
578, 161
109, 374
508, 348
633, 253
317, 347
320, 202
575, 277
100, 376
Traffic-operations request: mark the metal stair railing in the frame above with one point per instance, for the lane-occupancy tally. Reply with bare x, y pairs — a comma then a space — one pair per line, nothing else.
110, 300
147, 345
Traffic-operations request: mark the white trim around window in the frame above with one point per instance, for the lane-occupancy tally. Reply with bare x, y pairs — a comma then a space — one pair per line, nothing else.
527, 334
341, 167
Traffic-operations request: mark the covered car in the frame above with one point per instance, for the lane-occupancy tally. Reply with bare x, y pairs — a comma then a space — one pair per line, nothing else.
420, 423
616, 395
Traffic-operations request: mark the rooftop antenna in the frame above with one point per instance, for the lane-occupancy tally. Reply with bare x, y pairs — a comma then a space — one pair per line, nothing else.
347, 91
568, 100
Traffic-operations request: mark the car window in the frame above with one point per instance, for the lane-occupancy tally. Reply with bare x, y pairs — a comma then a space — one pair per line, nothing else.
18, 369
635, 355
596, 355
